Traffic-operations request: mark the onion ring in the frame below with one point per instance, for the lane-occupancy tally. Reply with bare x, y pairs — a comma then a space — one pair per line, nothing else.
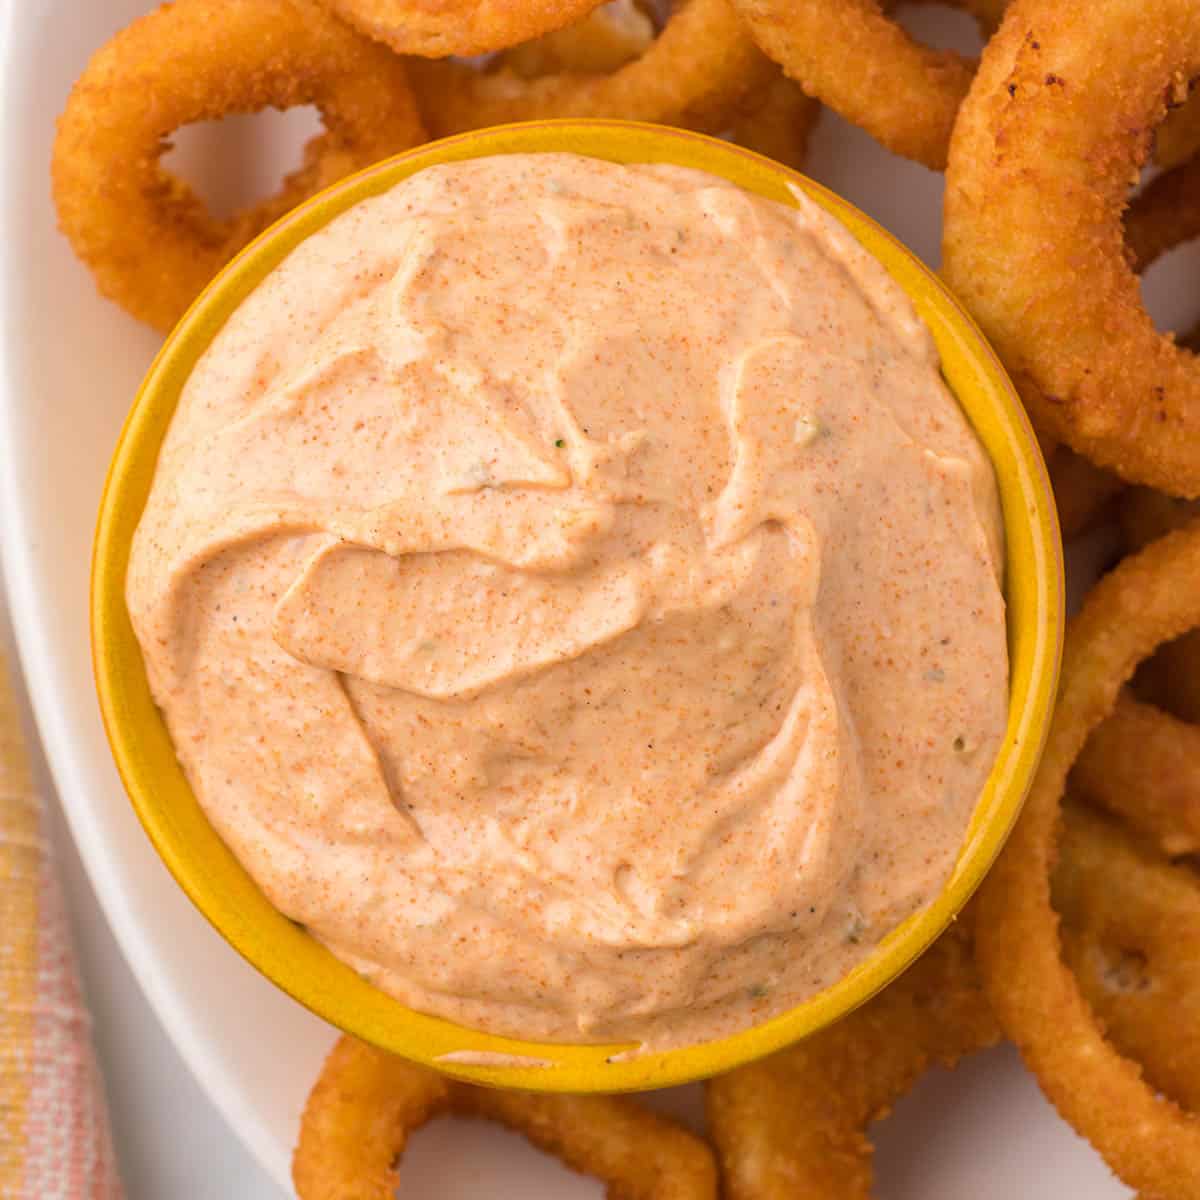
1178, 137
780, 124
1146, 515
1147, 1139
1131, 934
1170, 679
366, 1103
1143, 765
852, 56
1143, 762
145, 235
1057, 124
697, 73
774, 118
793, 1126
1082, 491
433, 28
989, 13
605, 40
1164, 215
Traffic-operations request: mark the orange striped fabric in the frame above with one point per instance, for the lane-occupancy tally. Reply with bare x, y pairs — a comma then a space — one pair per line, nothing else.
54, 1139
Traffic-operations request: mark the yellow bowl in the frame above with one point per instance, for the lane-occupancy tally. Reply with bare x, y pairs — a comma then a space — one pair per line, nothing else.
224, 892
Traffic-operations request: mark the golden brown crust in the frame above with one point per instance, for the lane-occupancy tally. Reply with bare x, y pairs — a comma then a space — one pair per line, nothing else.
697, 73
1177, 139
793, 1126
1165, 214
853, 57
1083, 491
433, 28
1131, 934
1143, 765
779, 124
145, 235
1147, 1140
367, 1103
1170, 678
1054, 131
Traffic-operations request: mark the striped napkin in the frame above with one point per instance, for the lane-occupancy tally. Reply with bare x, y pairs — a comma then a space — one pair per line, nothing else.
54, 1138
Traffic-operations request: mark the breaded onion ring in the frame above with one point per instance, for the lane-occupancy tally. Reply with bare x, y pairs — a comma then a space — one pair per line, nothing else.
1082, 490
1056, 126
1131, 934
433, 28
1143, 762
366, 1104
793, 1126
989, 13
1147, 1140
852, 56
1178, 138
147, 238
605, 40
1170, 679
779, 124
1143, 765
1146, 515
697, 73
1165, 214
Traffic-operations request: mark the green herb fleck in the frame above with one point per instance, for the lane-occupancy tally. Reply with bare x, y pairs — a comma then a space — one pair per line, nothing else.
759, 991
960, 743
559, 443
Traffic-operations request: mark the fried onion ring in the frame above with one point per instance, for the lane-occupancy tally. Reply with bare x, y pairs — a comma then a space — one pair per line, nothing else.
147, 238
779, 124
1164, 215
793, 1126
1082, 491
1146, 1139
1147, 515
851, 55
1057, 125
1178, 137
605, 40
1143, 765
1143, 762
697, 73
366, 1104
1171, 678
1131, 934
433, 28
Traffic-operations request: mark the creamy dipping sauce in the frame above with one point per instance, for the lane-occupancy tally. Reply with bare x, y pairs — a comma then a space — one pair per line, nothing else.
574, 596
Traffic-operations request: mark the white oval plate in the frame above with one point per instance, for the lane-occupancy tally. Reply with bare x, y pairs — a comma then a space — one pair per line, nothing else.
69, 366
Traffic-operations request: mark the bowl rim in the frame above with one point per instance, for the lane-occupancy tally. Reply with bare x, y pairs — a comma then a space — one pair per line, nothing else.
222, 890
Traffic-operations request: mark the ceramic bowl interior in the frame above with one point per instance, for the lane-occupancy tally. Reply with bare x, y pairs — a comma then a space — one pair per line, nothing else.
225, 893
